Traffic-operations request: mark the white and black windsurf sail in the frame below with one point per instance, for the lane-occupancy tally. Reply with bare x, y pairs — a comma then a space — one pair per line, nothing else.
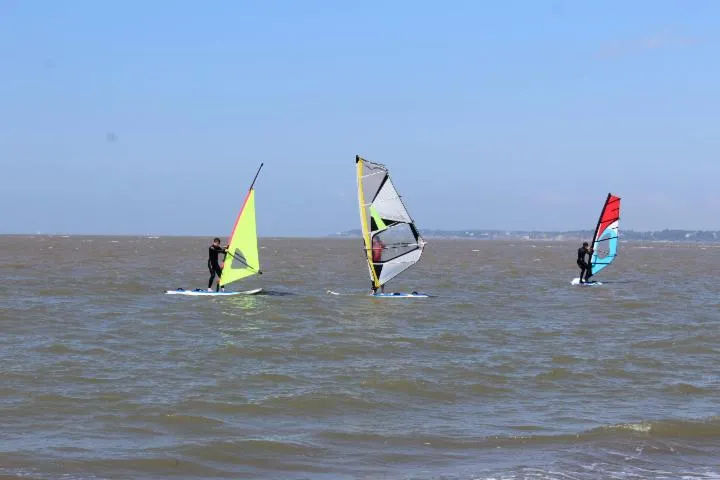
391, 239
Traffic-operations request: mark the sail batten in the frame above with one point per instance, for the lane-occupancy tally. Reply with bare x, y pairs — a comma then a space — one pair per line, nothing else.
392, 242
605, 239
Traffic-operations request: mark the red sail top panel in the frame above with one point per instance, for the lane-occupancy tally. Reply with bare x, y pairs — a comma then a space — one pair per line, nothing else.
610, 213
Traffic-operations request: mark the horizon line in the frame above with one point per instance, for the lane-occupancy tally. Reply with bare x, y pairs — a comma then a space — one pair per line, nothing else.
350, 233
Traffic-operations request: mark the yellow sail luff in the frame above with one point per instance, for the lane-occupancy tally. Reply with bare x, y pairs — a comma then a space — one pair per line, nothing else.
243, 258
364, 223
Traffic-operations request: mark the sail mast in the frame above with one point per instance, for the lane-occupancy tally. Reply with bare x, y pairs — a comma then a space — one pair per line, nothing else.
256, 176
359, 162
600, 218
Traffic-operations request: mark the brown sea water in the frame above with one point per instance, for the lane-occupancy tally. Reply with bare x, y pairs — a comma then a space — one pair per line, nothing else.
508, 372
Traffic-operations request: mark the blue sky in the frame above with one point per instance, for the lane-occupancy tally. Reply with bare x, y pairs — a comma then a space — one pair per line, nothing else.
151, 117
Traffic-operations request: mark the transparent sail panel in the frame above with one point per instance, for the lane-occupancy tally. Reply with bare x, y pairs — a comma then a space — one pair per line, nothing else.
397, 241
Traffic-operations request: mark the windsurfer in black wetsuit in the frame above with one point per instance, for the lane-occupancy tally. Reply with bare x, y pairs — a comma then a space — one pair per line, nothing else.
585, 266
214, 264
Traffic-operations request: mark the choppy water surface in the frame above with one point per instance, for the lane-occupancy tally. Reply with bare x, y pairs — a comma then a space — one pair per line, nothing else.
507, 373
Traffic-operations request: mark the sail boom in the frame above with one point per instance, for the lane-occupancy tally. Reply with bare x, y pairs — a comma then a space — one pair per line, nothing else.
400, 245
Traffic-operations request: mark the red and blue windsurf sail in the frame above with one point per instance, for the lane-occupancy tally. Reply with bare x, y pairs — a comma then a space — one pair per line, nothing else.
605, 241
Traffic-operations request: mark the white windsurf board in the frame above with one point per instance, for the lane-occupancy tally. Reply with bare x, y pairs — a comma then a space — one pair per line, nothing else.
205, 293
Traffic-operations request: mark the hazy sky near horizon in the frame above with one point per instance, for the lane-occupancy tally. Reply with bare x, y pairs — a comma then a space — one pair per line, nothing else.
150, 117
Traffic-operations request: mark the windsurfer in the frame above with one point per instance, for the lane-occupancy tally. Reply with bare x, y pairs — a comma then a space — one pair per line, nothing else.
213, 263
585, 266
377, 247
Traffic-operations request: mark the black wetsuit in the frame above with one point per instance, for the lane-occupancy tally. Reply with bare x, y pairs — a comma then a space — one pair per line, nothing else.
585, 267
214, 264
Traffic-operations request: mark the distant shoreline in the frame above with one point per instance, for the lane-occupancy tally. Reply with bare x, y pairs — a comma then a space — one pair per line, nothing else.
666, 235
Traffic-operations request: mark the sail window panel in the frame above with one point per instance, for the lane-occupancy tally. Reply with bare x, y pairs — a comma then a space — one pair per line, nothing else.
388, 204
396, 266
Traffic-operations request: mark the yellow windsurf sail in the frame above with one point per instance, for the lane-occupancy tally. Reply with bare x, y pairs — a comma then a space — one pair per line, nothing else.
242, 258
